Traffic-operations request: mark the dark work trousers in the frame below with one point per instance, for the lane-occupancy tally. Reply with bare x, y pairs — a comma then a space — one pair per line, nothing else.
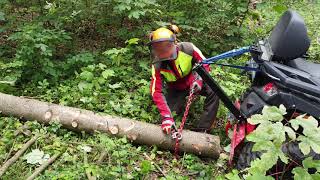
177, 101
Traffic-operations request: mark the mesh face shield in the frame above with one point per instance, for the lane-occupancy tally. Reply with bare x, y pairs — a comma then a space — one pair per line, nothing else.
163, 50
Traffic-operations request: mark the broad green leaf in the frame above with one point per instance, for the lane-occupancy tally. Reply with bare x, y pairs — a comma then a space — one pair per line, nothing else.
101, 80
49, 5
43, 47
2, 16
271, 147
233, 175
290, 132
280, 8
257, 119
84, 85
304, 147
241, 9
102, 66
255, 137
310, 163
311, 138
135, 14
220, 177
111, 52
133, 41
108, 73
307, 142
143, 82
273, 113
282, 109
268, 131
281, 155
262, 146
307, 124
115, 86
259, 177
87, 76
315, 176
86, 148
278, 132
227, 148
301, 174
266, 161
146, 166
36, 157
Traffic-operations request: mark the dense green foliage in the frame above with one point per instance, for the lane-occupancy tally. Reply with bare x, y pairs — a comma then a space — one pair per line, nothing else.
270, 136
92, 54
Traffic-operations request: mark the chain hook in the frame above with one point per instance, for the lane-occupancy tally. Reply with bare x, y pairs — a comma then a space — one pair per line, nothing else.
177, 135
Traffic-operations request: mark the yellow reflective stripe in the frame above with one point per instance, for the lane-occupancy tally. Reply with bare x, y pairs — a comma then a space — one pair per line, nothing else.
170, 77
153, 88
183, 63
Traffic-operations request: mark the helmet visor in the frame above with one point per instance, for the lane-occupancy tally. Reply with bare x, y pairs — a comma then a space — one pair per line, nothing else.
163, 50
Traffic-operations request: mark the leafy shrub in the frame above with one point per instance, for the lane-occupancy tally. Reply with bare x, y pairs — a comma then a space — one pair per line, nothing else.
272, 133
36, 49
124, 55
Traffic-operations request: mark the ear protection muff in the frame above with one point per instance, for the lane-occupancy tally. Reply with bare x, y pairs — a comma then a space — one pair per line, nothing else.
174, 28
151, 36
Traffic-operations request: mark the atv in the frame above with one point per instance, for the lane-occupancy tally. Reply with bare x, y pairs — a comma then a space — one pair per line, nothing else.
280, 74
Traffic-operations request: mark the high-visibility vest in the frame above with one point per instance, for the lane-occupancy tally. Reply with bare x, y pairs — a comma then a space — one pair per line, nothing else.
183, 64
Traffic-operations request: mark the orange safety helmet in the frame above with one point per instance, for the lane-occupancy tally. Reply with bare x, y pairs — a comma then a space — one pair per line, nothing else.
163, 44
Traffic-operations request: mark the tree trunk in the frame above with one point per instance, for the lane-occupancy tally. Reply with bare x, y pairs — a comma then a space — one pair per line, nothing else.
83, 120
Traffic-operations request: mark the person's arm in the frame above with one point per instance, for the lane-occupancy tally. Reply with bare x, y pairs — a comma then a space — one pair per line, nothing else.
196, 80
198, 56
160, 100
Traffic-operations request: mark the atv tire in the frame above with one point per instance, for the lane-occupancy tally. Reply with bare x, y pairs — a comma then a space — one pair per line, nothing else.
291, 149
246, 155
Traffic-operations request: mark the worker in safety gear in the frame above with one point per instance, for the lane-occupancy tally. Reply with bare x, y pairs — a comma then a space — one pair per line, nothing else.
172, 63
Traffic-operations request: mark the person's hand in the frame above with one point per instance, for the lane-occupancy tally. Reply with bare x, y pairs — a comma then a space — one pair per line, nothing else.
167, 124
197, 85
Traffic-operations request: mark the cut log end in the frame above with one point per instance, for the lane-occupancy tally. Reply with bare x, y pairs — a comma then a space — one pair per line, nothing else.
114, 130
48, 115
74, 124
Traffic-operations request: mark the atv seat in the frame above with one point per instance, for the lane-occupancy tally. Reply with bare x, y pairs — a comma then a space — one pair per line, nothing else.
304, 65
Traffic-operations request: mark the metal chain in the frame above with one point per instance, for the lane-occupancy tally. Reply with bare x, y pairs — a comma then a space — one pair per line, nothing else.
184, 119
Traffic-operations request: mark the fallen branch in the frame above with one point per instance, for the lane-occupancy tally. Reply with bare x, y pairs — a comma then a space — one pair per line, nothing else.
102, 157
155, 165
88, 173
43, 166
10, 151
14, 158
84, 120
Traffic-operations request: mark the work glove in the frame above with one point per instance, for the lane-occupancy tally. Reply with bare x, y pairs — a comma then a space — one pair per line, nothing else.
197, 85
167, 125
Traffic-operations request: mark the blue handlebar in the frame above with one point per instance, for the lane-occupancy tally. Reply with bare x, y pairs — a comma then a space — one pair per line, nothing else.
228, 54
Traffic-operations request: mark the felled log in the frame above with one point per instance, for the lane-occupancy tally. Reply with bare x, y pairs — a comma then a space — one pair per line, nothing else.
83, 120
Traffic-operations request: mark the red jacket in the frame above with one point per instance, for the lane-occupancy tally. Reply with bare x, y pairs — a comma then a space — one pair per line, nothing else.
182, 83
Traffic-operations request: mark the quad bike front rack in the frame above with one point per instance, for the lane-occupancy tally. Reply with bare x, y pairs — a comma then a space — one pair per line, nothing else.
207, 78
240, 127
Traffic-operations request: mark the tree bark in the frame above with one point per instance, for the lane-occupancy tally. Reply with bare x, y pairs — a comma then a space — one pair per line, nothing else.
83, 120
